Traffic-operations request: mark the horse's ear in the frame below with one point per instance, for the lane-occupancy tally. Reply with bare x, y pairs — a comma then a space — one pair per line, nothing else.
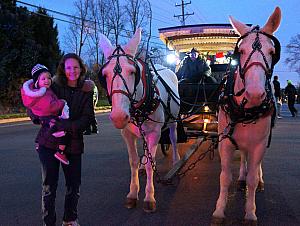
240, 27
105, 45
273, 22
132, 46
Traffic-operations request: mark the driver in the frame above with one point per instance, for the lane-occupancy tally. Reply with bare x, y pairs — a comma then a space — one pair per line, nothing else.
194, 69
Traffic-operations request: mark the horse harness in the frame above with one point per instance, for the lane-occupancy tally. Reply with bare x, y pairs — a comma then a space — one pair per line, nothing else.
139, 110
237, 112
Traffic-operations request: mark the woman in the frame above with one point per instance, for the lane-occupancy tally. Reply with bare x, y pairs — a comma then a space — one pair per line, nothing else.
69, 84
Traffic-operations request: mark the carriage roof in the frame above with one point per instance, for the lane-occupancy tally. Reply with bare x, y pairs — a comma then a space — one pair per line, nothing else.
206, 38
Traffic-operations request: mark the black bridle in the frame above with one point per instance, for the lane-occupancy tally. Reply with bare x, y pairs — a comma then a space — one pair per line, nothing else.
237, 111
257, 46
117, 53
139, 109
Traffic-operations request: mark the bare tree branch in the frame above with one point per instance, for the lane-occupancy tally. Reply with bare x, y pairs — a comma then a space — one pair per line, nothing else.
79, 28
138, 14
117, 19
293, 50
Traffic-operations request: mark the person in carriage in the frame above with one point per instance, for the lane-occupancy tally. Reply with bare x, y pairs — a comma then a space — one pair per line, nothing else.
194, 69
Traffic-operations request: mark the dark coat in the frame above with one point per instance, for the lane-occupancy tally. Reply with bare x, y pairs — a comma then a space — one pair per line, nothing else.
80, 102
290, 91
277, 92
194, 70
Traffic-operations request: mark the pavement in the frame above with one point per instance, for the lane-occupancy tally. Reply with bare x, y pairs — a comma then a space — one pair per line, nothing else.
106, 176
24, 119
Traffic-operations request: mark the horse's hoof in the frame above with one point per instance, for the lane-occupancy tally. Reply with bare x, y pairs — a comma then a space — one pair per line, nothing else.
241, 185
260, 186
250, 222
217, 221
130, 203
149, 207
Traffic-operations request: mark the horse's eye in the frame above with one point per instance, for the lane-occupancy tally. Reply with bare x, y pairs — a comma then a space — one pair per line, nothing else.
272, 52
241, 51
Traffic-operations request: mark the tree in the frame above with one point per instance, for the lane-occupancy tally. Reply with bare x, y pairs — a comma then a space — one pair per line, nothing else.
117, 20
25, 39
138, 13
293, 50
15, 51
79, 27
45, 34
100, 15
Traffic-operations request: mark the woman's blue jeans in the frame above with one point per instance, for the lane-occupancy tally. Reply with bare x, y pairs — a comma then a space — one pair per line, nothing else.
50, 174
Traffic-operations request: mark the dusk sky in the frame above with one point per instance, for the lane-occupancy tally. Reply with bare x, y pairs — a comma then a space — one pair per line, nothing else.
212, 12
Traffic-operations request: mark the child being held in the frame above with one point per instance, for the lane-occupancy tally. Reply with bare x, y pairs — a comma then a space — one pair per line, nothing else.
40, 99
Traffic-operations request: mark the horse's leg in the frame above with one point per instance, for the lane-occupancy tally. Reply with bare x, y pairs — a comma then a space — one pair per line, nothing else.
134, 160
226, 151
254, 163
149, 200
173, 138
243, 167
241, 183
261, 183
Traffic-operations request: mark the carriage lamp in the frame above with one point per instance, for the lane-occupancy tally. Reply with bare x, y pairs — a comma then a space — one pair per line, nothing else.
234, 62
171, 58
205, 121
206, 109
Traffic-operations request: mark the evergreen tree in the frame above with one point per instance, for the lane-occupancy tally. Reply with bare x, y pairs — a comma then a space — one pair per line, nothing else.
25, 39
46, 37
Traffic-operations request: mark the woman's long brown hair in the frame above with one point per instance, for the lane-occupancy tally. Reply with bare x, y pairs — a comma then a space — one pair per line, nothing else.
61, 74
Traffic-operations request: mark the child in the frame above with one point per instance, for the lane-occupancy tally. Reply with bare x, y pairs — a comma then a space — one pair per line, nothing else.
40, 99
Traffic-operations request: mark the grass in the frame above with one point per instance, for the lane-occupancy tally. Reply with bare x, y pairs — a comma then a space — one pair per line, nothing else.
16, 115
101, 105
108, 107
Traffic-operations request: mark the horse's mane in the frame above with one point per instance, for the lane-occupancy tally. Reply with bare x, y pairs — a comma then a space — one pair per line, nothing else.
165, 72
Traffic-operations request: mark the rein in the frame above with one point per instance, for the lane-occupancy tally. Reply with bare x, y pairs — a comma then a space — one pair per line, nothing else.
237, 112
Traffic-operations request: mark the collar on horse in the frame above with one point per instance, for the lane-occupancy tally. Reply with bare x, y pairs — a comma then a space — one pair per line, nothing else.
237, 112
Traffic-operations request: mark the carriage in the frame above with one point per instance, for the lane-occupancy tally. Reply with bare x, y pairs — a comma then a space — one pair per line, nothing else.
139, 107
199, 100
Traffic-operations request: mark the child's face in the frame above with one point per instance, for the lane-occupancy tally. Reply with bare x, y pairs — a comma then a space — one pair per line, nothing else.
45, 79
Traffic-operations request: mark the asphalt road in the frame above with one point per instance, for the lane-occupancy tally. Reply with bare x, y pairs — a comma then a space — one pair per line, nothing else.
105, 182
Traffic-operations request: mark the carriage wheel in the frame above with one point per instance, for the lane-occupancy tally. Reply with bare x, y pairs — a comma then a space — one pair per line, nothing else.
165, 148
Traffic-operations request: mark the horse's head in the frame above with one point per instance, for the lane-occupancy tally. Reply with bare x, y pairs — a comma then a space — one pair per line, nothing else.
120, 73
257, 51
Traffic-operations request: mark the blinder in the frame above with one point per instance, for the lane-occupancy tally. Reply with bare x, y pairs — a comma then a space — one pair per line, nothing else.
257, 46
116, 54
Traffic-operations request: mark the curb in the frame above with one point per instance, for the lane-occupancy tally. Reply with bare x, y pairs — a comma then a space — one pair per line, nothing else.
24, 119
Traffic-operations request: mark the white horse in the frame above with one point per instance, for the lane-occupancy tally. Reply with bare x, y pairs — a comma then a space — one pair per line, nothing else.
257, 51
126, 86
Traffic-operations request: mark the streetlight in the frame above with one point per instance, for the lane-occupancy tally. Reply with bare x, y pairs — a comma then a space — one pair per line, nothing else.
171, 58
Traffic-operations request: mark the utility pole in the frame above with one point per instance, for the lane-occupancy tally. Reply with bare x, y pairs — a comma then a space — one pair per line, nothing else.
183, 15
